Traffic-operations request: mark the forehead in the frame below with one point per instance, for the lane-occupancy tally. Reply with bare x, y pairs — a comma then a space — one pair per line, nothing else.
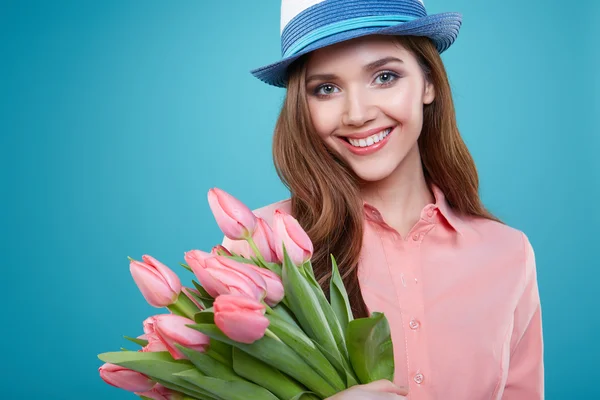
356, 52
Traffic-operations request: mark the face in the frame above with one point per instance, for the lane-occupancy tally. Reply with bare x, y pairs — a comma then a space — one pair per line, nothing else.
366, 99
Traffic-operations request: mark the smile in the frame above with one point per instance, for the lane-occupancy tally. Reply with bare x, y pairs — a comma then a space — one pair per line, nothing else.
369, 141
369, 144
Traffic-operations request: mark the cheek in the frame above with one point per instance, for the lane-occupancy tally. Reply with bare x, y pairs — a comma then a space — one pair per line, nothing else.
406, 106
324, 116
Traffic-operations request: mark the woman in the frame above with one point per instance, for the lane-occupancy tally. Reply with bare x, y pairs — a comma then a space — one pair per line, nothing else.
367, 143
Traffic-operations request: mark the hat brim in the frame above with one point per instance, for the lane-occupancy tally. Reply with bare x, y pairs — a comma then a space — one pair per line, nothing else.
442, 29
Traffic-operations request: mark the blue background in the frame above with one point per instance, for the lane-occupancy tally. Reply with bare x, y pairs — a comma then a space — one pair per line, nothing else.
118, 116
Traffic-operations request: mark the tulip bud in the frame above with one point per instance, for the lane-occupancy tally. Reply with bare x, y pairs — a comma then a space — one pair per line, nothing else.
172, 329
265, 241
154, 342
219, 248
159, 392
221, 275
159, 285
288, 231
275, 291
196, 259
125, 378
240, 318
233, 217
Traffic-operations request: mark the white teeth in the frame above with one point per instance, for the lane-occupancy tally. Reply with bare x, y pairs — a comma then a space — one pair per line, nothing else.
371, 139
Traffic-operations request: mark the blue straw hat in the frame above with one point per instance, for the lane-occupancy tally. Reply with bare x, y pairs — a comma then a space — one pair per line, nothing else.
308, 25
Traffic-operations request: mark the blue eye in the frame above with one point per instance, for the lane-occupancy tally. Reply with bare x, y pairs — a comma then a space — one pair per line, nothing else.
386, 77
324, 90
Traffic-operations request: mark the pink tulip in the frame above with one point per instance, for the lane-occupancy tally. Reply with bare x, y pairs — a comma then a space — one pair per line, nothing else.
196, 260
265, 241
172, 329
159, 285
159, 392
233, 217
288, 231
125, 378
155, 344
240, 318
275, 290
215, 250
221, 275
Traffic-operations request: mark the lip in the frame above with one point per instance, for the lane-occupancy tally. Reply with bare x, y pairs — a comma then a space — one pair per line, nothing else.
366, 134
363, 151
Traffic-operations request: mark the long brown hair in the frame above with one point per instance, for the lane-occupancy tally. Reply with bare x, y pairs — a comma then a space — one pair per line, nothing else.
324, 190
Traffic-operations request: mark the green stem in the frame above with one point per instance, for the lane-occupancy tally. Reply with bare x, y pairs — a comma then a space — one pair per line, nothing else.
255, 249
272, 335
268, 309
184, 307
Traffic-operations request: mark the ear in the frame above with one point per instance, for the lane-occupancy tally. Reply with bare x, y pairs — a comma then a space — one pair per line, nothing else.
429, 94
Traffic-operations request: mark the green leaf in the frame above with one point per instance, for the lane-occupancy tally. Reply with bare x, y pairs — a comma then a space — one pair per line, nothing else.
189, 389
264, 375
141, 342
306, 349
205, 316
159, 366
284, 313
344, 370
278, 355
308, 269
222, 352
203, 293
230, 390
186, 267
305, 396
208, 365
370, 348
304, 302
332, 321
339, 297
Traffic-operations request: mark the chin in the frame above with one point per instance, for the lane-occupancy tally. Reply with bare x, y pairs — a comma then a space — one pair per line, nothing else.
374, 174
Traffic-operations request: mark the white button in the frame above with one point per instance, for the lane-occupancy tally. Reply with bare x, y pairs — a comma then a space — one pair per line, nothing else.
415, 237
419, 378
413, 324
430, 213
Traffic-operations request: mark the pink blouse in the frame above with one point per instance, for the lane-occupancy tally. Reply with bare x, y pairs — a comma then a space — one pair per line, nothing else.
461, 297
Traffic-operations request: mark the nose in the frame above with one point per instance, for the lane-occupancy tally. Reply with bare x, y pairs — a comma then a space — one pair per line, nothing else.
358, 109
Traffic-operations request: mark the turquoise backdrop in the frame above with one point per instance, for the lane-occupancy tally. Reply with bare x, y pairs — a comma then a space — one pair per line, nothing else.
118, 116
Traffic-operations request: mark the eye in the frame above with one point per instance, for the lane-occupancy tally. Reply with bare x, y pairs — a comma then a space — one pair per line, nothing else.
324, 90
386, 77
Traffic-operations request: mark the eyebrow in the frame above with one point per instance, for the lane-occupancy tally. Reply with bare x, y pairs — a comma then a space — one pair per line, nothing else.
369, 67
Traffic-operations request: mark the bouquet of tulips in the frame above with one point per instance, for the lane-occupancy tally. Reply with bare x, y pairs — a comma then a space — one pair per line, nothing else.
253, 327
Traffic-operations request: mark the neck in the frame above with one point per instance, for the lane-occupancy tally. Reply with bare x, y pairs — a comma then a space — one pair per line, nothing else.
401, 196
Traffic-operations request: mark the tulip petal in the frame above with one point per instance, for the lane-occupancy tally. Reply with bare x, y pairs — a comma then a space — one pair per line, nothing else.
152, 286
125, 378
170, 277
242, 327
234, 218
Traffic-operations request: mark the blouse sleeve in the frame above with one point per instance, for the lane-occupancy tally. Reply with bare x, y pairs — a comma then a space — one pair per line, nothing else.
526, 367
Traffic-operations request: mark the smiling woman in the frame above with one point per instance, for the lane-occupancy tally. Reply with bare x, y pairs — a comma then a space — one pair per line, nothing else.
379, 176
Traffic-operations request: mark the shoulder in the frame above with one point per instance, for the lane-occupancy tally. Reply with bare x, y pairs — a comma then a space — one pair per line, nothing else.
266, 212
502, 242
